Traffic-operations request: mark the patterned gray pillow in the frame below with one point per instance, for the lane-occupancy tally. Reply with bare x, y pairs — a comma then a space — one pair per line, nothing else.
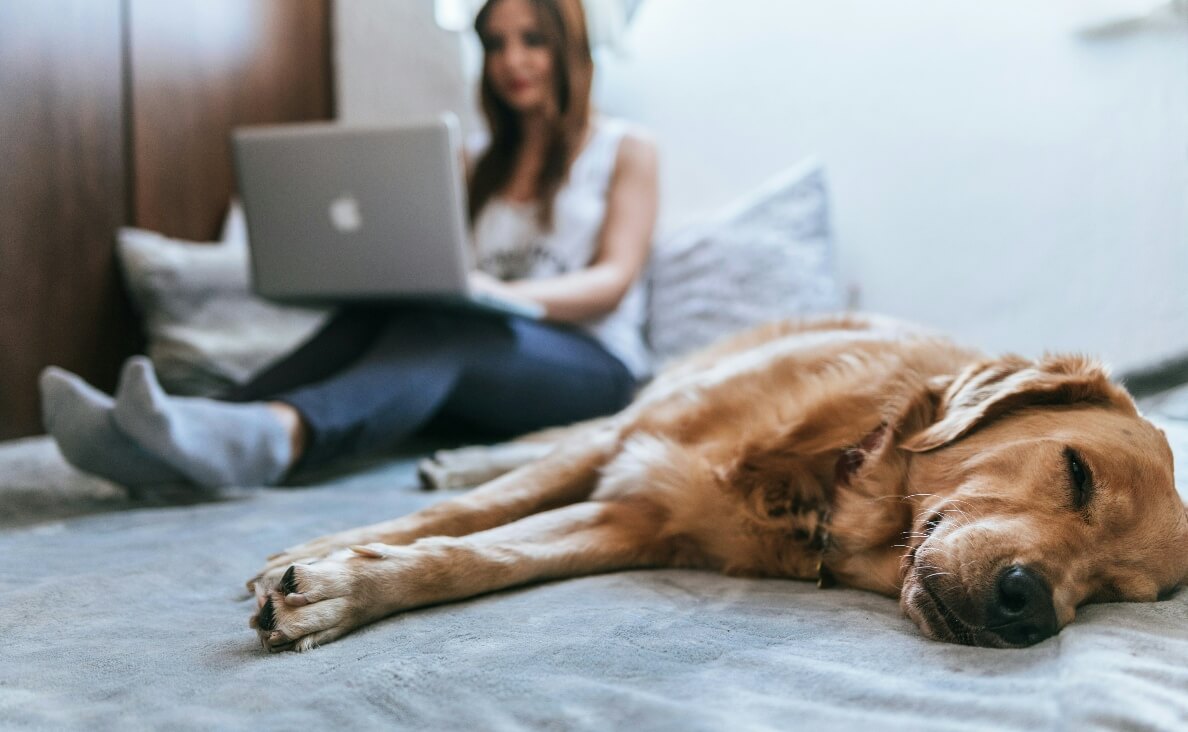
206, 330
768, 256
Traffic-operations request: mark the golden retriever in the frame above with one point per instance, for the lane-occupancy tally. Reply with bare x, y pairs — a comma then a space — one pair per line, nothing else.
991, 496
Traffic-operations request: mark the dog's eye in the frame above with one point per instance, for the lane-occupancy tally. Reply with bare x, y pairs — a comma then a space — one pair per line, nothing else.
1080, 477
933, 522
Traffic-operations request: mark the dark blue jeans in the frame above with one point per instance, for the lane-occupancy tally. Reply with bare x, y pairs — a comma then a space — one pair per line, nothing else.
374, 376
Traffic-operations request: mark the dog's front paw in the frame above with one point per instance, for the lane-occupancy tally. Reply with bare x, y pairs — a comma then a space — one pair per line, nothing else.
311, 604
307, 553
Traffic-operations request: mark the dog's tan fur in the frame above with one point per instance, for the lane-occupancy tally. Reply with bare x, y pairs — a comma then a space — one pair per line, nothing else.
862, 449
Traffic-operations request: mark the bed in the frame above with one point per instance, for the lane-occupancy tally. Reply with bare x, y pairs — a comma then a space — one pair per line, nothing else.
127, 613
122, 611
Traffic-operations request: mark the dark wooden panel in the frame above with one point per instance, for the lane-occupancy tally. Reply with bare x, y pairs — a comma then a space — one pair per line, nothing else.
62, 195
68, 179
201, 67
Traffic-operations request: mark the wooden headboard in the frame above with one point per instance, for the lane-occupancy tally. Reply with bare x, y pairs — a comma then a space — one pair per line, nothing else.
118, 113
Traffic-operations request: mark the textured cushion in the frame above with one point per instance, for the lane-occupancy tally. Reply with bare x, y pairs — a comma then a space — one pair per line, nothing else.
206, 331
765, 257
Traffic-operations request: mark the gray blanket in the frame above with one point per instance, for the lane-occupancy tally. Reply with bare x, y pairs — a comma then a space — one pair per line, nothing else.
134, 616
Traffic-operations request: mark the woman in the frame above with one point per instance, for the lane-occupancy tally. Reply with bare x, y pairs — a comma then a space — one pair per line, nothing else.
562, 206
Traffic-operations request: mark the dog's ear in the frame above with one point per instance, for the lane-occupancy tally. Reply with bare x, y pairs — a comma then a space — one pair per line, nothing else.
988, 389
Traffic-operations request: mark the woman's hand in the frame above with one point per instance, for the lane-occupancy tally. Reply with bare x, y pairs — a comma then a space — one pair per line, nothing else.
482, 283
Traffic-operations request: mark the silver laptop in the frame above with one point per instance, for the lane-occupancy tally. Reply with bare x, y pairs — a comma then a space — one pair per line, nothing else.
342, 214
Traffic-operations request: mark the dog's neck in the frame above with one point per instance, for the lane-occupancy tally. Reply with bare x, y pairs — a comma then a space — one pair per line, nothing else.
871, 511
833, 503
845, 472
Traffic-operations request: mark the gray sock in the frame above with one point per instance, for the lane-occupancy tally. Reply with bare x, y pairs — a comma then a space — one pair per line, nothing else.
80, 419
215, 444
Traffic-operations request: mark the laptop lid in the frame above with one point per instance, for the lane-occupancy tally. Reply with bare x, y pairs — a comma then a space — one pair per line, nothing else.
340, 213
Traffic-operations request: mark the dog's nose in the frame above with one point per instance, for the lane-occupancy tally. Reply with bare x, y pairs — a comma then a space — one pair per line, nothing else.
1021, 611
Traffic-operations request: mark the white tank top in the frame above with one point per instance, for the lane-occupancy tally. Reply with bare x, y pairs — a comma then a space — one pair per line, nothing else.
510, 245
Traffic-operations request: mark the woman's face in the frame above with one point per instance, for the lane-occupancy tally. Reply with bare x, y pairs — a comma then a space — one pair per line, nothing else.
519, 62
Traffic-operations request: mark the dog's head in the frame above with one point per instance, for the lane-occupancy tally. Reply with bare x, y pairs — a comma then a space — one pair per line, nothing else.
1037, 488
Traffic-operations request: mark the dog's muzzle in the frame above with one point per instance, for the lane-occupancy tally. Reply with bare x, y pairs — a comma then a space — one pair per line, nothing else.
1017, 609
1020, 611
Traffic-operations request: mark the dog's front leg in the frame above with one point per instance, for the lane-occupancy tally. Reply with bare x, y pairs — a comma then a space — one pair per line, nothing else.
318, 602
566, 475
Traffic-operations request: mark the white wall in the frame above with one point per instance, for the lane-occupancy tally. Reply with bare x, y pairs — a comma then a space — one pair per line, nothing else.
993, 174
393, 62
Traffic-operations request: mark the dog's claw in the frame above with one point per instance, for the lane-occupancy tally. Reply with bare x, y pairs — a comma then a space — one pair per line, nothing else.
288, 582
429, 475
266, 619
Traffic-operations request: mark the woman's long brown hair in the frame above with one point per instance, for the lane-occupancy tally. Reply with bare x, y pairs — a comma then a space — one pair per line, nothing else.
563, 25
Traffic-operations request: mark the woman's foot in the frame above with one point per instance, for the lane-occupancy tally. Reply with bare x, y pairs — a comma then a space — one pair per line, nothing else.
213, 443
80, 419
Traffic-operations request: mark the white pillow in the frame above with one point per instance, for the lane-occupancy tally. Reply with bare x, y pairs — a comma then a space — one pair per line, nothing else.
765, 257
206, 331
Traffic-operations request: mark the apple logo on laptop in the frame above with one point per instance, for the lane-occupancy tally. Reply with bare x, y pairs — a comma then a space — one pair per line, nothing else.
345, 215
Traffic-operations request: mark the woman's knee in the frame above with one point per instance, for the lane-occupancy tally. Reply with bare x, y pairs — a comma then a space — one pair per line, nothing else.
535, 403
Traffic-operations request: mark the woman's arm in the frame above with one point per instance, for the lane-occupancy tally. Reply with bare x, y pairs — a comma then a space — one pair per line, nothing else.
623, 246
